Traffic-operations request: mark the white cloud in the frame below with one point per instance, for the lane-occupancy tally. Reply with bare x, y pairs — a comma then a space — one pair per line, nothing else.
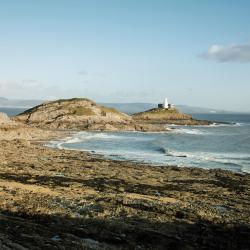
229, 53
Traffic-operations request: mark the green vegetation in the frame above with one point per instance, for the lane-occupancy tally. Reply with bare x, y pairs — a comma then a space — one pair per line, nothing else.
83, 111
165, 111
162, 114
109, 110
61, 101
158, 111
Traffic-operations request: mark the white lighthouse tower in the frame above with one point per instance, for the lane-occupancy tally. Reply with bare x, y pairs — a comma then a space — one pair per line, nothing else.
165, 104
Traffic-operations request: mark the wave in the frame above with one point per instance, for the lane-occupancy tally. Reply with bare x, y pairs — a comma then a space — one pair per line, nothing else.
190, 131
246, 169
161, 150
240, 124
239, 160
151, 149
229, 124
177, 154
214, 124
83, 136
218, 124
167, 152
238, 163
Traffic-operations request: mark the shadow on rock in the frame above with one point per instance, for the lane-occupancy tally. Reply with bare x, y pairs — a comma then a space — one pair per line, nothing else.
40, 231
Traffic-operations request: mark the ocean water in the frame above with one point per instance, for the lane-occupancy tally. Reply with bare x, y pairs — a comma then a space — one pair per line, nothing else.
225, 146
12, 111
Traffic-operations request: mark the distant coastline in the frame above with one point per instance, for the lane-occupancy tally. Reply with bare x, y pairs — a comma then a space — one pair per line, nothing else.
128, 108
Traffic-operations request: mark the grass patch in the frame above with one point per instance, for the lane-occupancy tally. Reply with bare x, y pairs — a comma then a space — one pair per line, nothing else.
165, 111
109, 110
162, 114
158, 111
83, 111
68, 101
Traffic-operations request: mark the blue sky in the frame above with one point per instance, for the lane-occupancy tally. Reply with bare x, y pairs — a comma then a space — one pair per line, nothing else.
193, 52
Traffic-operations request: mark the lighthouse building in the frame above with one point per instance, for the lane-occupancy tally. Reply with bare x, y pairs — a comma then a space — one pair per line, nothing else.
165, 104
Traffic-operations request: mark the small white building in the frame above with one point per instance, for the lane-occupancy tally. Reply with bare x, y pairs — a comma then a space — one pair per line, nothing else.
165, 104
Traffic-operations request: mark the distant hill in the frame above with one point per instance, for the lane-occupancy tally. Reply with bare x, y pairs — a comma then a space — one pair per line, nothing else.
2, 99
132, 108
128, 108
197, 110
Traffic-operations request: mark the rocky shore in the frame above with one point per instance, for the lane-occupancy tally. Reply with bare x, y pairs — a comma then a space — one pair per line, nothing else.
62, 199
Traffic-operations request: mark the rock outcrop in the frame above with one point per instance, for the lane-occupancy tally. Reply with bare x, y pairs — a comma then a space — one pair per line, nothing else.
12, 130
80, 114
167, 116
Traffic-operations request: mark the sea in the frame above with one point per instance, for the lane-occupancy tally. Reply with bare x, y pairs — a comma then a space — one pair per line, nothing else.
10, 111
220, 145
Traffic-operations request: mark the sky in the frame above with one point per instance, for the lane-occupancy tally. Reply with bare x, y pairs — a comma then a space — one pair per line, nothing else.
193, 52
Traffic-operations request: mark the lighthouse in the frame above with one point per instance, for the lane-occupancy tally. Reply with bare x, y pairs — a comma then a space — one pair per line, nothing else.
165, 104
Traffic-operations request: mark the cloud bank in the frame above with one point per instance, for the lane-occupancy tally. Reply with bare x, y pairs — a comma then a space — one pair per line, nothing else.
229, 53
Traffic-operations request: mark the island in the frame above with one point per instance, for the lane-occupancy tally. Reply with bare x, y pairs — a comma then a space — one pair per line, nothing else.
85, 114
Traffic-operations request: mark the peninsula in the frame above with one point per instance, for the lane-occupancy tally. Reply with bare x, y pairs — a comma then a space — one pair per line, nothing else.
85, 114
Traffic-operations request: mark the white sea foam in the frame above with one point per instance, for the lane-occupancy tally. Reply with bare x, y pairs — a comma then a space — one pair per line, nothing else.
84, 136
191, 131
237, 124
169, 148
238, 160
246, 169
176, 153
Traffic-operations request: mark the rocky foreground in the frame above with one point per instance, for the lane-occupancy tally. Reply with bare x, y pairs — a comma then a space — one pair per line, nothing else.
61, 199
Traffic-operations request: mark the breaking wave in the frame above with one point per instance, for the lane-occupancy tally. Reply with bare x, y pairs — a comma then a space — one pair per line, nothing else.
223, 146
237, 163
189, 131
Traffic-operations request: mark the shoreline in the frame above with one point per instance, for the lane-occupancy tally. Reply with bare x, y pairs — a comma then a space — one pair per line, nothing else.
109, 157
117, 157
67, 199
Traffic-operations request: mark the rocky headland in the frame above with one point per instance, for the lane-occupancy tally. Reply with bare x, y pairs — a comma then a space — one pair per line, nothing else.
84, 114
167, 116
81, 114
